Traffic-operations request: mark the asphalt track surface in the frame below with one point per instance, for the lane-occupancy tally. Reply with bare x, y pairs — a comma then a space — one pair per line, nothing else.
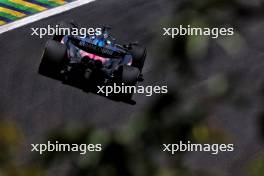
38, 103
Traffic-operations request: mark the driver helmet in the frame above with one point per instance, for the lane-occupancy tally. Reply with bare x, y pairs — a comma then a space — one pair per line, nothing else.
105, 35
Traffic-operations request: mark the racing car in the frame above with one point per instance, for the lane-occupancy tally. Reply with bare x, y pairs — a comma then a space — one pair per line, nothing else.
92, 60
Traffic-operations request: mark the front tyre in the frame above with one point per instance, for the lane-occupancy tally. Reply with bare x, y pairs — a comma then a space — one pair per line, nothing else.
53, 59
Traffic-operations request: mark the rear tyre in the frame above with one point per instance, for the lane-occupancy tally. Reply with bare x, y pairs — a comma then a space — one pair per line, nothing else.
87, 74
139, 56
53, 59
61, 25
130, 77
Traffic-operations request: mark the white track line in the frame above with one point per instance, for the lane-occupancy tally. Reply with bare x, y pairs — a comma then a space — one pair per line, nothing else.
42, 15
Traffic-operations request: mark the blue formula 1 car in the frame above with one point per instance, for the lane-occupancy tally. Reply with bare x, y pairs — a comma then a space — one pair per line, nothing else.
92, 60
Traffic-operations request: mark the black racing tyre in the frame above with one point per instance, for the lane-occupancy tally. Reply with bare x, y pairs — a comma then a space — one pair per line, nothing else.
61, 25
53, 59
139, 55
87, 74
129, 78
130, 75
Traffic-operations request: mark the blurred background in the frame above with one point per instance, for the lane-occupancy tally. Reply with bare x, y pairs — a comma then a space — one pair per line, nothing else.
216, 95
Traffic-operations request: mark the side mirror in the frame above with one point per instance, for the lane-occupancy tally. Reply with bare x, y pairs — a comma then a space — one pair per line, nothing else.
134, 43
130, 45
